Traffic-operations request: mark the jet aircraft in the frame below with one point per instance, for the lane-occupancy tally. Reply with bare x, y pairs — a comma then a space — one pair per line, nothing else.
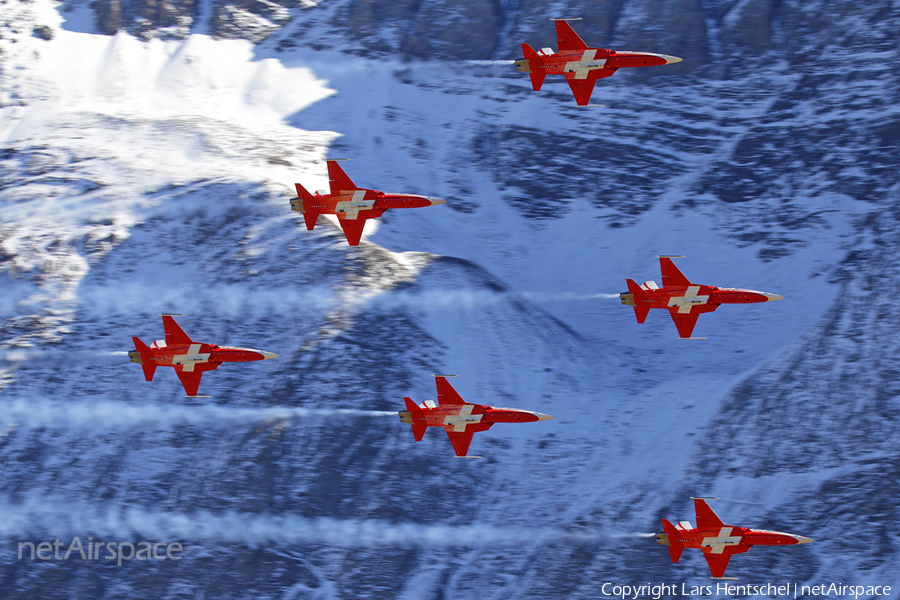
717, 540
351, 203
459, 418
581, 64
190, 359
684, 300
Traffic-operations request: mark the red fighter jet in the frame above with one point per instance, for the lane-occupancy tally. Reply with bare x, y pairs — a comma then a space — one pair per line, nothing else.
718, 540
581, 64
190, 359
459, 418
684, 300
351, 203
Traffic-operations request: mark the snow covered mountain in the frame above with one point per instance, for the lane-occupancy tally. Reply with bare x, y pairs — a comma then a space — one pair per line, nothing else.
150, 171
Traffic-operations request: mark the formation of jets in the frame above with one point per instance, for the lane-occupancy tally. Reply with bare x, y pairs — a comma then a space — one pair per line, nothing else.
582, 66
718, 541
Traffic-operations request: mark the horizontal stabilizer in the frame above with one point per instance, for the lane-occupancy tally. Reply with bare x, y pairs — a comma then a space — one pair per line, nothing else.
302, 192
675, 549
310, 218
537, 80
140, 346
149, 370
528, 52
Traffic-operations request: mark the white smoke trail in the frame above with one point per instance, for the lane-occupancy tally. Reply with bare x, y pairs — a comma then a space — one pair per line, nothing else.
100, 414
239, 301
25, 358
463, 299
60, 517
488, 63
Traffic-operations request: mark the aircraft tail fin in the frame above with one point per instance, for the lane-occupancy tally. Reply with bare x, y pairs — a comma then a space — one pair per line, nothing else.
640, 311
148, 367
537, 78
675, 549
415, 411
302, 204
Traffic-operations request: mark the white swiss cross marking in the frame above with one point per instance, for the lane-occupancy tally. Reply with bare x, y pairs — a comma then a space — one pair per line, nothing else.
719, 542
690, 298
190, 359
582, 67
465, 416
352, 206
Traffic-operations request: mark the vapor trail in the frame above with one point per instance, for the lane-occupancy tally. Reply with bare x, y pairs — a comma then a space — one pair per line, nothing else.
91, 415
61, 518
469, 299
29, 358
489, 62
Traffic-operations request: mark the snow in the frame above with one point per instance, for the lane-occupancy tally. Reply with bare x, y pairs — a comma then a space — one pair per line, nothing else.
155, 176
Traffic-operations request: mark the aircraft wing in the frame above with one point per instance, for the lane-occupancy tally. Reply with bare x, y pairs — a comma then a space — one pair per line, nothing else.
353, 229
175, 335
446, 395
671, 276
567, 38
190, 380
339, 180
581, 88
684, 322
717, 563
706, 517
460, 441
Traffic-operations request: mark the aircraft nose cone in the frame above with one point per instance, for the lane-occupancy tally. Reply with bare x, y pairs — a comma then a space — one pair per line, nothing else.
671, 59
543, 417
436, 201
771, 297
803, 540
268, 355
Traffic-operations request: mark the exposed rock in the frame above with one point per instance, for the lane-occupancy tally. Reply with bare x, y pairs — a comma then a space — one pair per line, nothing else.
43, 32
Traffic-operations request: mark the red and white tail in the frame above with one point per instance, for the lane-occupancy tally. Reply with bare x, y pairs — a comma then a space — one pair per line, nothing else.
675, 549
306, 200
415, 413
640, 309
537, 76
148, 367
